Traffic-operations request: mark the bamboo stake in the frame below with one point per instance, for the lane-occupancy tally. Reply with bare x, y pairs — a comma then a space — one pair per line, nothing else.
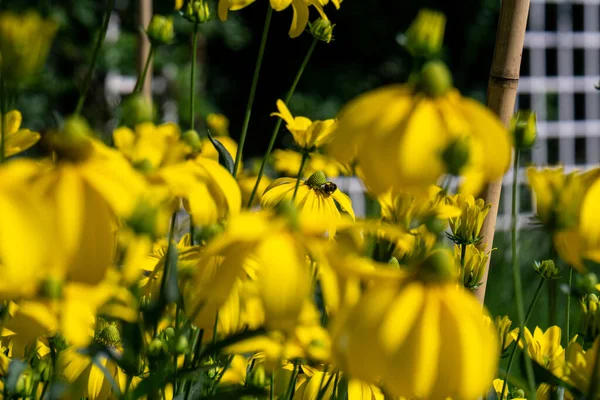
501, 96
144, 17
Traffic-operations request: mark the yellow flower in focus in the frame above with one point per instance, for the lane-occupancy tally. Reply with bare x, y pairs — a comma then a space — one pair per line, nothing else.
307, 134
408, 136
300, 8
467, 226
218, 125
25, 44
287, 162
545, 349
474, 265
423, 340
317, 201
413, 210
17, 140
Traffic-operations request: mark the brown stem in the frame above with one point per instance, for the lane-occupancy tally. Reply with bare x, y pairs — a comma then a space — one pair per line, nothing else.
501, 96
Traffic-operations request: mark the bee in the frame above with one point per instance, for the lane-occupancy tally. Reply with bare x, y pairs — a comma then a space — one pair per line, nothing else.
328, 188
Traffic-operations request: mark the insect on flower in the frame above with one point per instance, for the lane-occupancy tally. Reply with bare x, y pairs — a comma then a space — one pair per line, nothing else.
328, 188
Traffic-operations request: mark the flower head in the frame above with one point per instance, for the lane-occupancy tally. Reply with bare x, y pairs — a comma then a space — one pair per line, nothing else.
25, 44
307, 134
401, 136
475, 263
467, 227
317, 201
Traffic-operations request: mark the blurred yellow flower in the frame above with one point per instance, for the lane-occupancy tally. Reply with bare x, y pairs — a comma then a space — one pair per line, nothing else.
218, 125
421, 340
287, 162
580, 365
300, 8
25, 44
247, 183
406, 136
317, 201
178, 4
307, 134
17, 140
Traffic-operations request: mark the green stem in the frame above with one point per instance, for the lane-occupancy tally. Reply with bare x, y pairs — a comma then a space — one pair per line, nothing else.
463, 253
289, 393
552, 303
520, 334
305, 155
279, 121
110, 5
272, 387
193, 75
568, 310
261, 53
142, 78
517, 274
2, 118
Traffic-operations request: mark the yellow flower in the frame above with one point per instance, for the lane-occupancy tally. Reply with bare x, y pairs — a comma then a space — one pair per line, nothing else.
17, 140
316, 201
580, 365
467, 226
287, 162
277, 264
425, 36
516, 394
307, 134
590, 316
412, 210
178, 4
505, 334
408, 136
423, 340
545, 348
300, 8
474, 265
86, 378
218, 125
26, 41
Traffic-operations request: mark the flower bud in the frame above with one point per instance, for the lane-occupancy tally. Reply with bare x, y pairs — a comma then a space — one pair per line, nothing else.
157, 348
24, 385
44, 368
316, 180
547, 269
109, 336
524, 129
517, 394
425, 36
74, 140
160, 30
456, 155
590, 316
192, 139
587, 283
474, 265
435, 79
322, 30
137, 109
197, 11
182, 346
393, 263
503, 325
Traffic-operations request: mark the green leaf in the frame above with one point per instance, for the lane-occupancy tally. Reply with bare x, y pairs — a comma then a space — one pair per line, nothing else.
228, 341
225, 158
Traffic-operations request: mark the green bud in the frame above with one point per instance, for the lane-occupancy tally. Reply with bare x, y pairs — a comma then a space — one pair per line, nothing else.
157, 348
322, 30
547, 269
192, 139
24, 385
393, 263
425, 35
137, 109
435, 79
587, 283
435, 225
44, 368
197, 11
523, 128
590, 316
169, 332
109, 336
160, 30
518, 394
51, 288
456, 155
74, 140
316, 180
182, 346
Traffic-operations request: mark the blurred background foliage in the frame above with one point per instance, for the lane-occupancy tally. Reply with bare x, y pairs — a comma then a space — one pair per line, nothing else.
365, 54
